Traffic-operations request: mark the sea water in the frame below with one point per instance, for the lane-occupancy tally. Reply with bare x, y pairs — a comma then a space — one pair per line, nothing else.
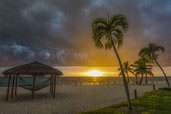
74, 76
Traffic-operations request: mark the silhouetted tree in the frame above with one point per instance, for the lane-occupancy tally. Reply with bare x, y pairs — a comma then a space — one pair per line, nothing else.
142, 68
151, 51
127, 69
112, 30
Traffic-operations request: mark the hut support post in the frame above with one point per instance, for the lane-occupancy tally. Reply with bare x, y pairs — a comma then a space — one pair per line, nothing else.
34, 77
51, 84
16, 84
54, 92
12, 93
9, 81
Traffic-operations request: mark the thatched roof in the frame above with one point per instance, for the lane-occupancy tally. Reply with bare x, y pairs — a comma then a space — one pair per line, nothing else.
34, 68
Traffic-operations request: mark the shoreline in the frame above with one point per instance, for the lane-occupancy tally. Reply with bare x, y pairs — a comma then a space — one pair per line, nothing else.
70, 98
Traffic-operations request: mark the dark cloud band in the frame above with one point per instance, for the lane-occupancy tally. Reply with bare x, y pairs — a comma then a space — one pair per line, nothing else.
59, 32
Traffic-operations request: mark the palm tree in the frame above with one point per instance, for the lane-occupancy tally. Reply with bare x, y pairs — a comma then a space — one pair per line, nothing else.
151, 51
147, 63
112, 31
127, 68
148, 72
142, 68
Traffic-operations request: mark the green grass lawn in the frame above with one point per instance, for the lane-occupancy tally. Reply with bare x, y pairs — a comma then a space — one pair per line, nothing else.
155, 102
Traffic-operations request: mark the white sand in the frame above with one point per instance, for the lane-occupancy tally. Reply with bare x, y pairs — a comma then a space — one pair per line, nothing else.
69, 99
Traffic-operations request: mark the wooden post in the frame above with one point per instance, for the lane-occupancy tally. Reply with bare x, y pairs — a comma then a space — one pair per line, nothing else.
33, 86
54, 87
16, 84
135, 93
51, 84
12, 93
9, 81
154, 88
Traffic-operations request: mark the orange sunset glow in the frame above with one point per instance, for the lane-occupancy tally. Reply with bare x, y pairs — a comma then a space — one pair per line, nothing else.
95, 73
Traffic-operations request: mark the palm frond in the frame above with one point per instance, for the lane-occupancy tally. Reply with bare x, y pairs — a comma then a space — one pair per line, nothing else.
108, 45
151, 51
99, 31
119, 35
111, 28
119, 21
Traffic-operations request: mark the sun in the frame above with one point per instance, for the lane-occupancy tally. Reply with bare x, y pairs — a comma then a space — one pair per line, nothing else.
94, 73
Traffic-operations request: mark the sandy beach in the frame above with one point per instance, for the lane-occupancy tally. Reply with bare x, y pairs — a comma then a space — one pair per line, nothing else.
70, 99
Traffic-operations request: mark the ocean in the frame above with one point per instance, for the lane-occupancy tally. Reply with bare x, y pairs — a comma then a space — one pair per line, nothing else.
78, 80
76, 75
79, 71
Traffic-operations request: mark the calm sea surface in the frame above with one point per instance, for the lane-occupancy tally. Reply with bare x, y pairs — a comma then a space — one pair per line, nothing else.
79, 71
76, 80
75, 75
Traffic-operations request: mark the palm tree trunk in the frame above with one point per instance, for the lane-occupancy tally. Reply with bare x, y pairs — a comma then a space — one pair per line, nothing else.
141, 79
146, 78
127, 77
136, 79
123, 76
167, 81
152, 79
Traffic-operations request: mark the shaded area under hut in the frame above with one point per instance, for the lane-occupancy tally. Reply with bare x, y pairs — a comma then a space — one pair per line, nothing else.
33, 70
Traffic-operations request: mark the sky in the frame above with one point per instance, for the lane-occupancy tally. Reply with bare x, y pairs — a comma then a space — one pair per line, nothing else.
58, 32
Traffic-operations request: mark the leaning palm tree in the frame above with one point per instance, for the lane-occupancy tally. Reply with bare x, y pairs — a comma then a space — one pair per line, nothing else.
147, 64
127, 69
109, 33
143, 69
151, 51
150, 73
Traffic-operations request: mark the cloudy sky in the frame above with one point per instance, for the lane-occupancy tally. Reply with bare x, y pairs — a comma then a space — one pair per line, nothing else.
58, 32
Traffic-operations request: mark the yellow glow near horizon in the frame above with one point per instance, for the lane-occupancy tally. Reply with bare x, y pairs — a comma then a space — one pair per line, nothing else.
95, 73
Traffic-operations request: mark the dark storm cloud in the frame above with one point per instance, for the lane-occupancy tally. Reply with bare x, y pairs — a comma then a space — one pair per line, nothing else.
59, 32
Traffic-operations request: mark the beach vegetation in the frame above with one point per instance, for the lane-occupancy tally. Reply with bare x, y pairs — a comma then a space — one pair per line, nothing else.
127, 69
109, 33
143, 68
152, 52
154, 102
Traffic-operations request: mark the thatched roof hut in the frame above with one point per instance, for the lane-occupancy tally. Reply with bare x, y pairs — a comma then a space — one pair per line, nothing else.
35, 69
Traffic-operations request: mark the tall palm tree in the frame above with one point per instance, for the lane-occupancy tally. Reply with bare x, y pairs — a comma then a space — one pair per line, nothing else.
127, 69
112, 30
151, 51
141, 68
